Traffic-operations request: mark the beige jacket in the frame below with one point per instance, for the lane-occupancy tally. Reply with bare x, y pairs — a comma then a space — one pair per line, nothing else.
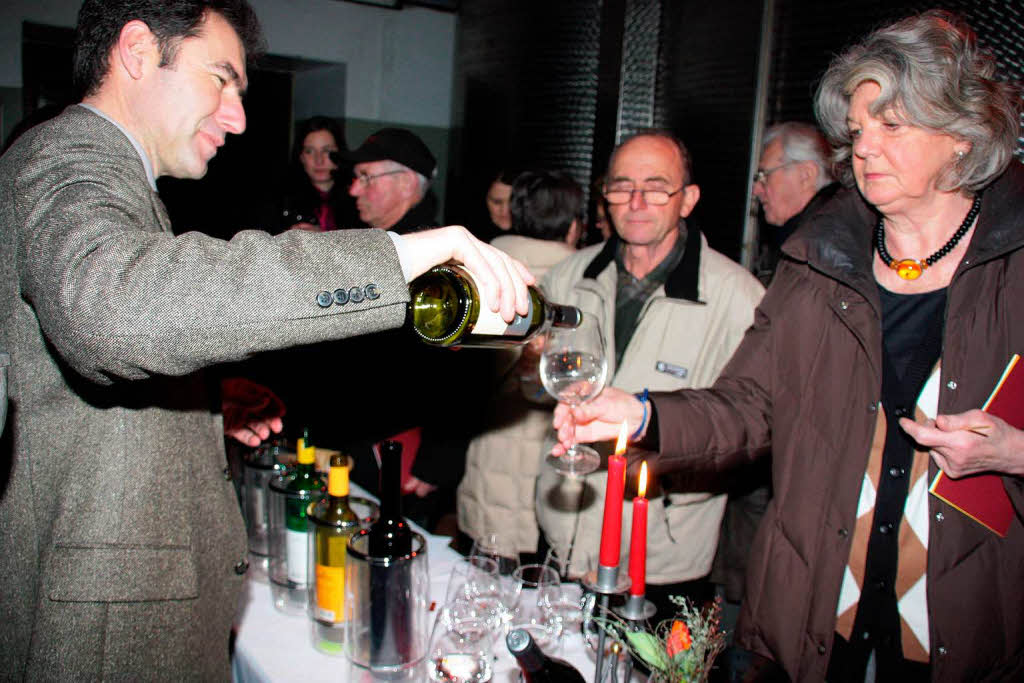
497, 489
684, 336
538, 255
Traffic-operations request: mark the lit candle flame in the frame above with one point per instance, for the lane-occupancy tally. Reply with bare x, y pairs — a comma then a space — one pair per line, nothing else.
642, 482
620, 445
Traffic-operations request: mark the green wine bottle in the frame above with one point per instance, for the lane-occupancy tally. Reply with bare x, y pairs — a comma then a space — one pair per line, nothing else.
304, 486
447, 311
332, 522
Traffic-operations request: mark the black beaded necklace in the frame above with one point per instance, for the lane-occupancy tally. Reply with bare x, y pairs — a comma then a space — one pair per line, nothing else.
911, 269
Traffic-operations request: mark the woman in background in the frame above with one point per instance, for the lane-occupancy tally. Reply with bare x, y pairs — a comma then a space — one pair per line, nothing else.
502, 462
498, 220
545, 217
314, 199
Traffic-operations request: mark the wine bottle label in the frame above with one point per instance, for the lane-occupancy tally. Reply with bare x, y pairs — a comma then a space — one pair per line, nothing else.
330, 593
296, 554
491, 323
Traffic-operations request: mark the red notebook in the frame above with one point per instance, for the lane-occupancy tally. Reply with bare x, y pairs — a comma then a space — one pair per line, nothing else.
982, 496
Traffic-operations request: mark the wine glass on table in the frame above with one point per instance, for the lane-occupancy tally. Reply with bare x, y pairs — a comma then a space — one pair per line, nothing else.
499, 548
462, 644
535, 586
573, 369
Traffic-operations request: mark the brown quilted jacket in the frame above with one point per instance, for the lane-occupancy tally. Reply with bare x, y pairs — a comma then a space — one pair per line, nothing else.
806, 380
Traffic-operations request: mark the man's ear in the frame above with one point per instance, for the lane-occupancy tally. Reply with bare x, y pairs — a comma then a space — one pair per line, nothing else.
691, 195
409, 183
136, 49
808, 171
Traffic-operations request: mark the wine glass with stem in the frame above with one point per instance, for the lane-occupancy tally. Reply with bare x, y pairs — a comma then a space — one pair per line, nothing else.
573, 369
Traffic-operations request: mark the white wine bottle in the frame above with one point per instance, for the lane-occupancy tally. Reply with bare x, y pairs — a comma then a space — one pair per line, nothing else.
305, 485
447, 311
332, 523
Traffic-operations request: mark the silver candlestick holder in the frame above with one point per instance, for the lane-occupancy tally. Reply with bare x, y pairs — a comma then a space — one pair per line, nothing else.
604, 582
635, 610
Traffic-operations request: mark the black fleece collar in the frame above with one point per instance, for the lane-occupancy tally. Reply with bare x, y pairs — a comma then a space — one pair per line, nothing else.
837, 238
682, 283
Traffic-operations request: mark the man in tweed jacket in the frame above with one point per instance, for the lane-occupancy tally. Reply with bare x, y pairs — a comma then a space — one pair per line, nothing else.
122, 549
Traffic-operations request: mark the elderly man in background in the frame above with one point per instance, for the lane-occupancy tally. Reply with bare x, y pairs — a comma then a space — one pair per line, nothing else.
121, 542
793, 178
392, 174
672, 311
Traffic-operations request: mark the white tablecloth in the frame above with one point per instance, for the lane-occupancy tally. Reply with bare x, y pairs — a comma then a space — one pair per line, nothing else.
271, 646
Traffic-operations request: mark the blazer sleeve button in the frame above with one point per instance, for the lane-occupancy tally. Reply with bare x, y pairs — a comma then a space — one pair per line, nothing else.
324, 299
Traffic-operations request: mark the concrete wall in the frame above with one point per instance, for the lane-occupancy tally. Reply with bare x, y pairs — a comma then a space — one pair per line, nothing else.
399, 63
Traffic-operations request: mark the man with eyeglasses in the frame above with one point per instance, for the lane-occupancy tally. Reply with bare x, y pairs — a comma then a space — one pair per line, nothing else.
391, 176
672, 311
794, 175
392, 173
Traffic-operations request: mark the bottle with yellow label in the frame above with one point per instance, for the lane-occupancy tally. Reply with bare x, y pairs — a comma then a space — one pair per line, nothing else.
331, 523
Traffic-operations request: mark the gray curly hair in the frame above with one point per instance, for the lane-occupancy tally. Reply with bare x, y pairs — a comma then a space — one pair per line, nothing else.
932, 75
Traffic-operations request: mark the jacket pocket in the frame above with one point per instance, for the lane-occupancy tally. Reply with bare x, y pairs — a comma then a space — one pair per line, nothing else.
115, 574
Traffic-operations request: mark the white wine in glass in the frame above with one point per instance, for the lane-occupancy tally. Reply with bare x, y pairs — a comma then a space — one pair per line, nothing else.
573, 369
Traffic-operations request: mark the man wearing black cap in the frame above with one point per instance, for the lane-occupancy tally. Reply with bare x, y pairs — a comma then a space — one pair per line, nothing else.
392, 173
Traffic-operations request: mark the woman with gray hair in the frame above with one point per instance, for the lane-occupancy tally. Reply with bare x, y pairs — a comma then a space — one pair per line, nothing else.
891, 318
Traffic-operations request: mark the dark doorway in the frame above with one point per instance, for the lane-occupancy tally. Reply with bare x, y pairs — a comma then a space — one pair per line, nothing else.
238, 189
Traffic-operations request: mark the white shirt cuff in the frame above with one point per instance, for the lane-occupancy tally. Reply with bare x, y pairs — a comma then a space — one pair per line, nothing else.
403, 252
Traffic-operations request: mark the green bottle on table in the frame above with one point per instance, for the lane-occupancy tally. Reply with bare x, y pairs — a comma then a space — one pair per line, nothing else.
305, 485
332, 522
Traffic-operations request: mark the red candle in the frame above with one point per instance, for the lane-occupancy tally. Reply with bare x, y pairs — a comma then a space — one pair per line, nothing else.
638, 538
611, 526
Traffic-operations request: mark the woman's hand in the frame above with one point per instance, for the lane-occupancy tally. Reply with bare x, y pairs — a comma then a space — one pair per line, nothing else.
969, 443
597, 420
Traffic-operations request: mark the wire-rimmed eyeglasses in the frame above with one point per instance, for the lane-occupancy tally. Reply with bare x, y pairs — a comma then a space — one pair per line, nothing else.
762, 173
365, 179
623, 195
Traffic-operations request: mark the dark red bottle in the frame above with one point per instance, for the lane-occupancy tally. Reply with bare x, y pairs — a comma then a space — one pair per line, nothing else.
536, 666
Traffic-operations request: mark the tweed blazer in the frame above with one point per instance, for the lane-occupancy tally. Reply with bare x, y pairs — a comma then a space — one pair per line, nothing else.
121, 542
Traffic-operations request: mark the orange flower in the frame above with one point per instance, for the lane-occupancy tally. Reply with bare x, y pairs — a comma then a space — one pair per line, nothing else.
678, 638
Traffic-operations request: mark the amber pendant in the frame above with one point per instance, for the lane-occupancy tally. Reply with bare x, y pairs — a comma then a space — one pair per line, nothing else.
908, 268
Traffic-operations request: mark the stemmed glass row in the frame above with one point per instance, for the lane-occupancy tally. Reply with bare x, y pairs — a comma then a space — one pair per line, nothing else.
483, 604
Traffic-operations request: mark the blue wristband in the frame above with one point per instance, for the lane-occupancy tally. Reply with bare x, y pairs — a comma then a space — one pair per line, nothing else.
643, 397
